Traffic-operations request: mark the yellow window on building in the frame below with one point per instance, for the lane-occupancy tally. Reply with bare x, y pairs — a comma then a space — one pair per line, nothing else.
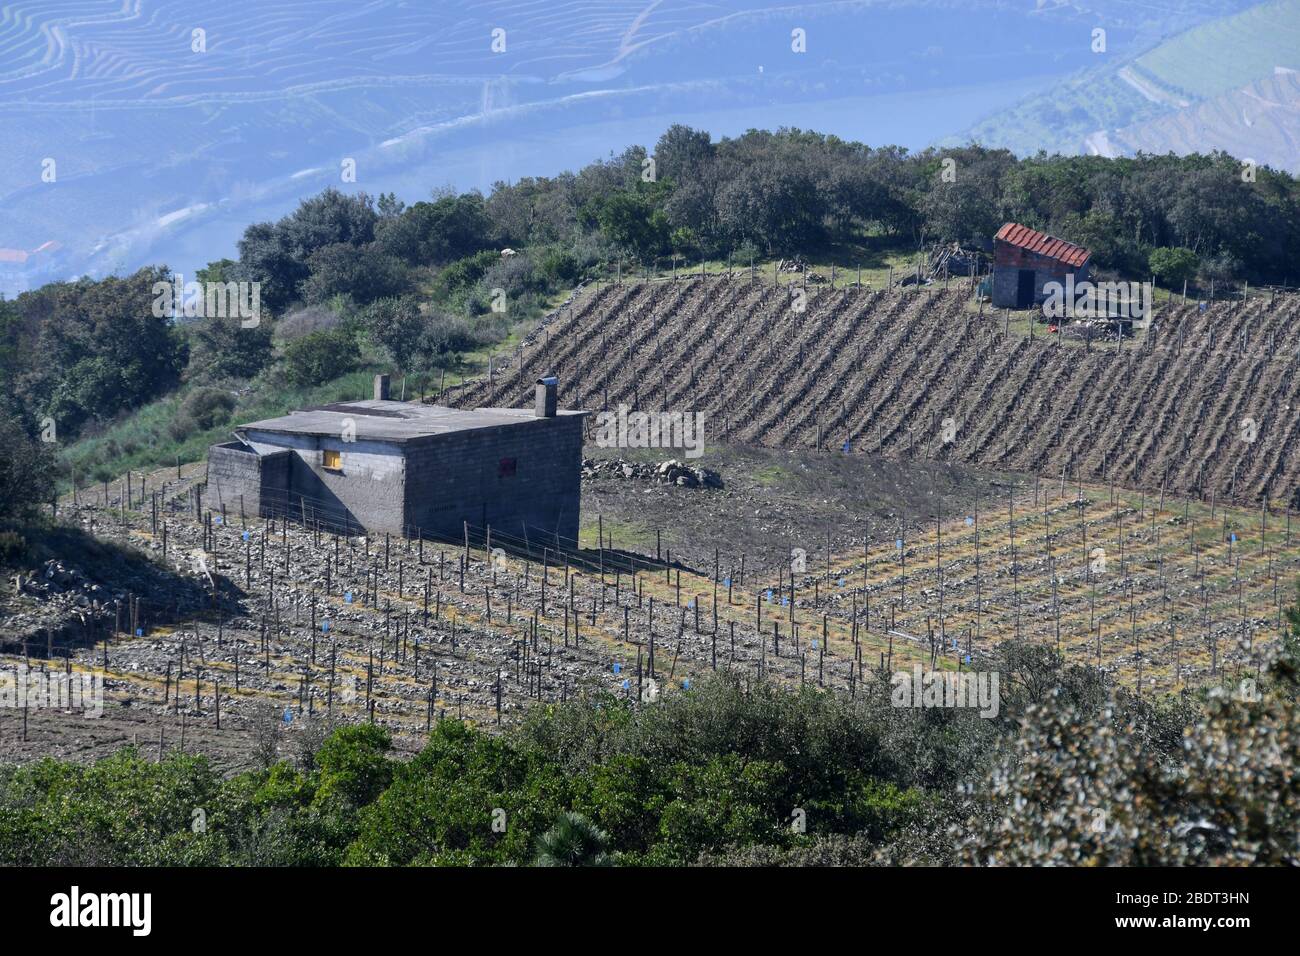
333, 460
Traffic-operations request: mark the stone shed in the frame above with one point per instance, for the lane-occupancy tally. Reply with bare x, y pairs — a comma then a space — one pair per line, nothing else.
1024, 260
409, 468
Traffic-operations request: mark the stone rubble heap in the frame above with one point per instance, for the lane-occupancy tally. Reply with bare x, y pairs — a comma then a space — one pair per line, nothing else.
64, 585
670, 472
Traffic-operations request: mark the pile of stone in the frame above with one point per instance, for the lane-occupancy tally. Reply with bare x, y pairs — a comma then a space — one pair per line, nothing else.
48, 601
670, 472
616, 468
798, 266
674, 472
56, 580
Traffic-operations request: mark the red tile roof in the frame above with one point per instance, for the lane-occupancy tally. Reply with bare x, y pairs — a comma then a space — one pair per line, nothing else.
1042, 244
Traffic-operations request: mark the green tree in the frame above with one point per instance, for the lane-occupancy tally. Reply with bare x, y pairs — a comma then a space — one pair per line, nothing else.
223, 348
633, 219
397, 325
201, 409
1173, 265
320, 357
435, 233
365, 273
278, 254
329, 218
105, 347
354, 765
683, 153
265, 257
466, 798
27, 471
573, 841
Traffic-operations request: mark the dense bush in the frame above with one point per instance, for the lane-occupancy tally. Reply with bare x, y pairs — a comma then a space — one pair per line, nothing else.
1173, 265
200, 410
517, 277
363, 273
444, 335
1072, 771
26, 474
305, 320
224, 348
1081, 791
559, 266
435, 233
320, 356
85, 351
13, 548
397, 325
462, 275
278, 254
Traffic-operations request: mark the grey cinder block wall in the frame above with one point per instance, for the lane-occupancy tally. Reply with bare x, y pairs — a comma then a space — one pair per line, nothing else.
405, 468
247, 482
522, 479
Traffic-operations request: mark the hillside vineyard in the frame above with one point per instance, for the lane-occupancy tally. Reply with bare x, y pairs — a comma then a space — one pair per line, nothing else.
1201, 404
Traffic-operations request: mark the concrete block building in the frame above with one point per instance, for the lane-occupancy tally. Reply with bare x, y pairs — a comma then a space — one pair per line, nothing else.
409, 468
1024, 260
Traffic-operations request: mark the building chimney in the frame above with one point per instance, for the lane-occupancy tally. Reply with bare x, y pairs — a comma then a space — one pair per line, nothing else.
546, 388
381, 388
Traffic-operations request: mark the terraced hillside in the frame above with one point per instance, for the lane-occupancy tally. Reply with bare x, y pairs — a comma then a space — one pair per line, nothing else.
1167, 594
1264, 114
1203, 403
277, 616
1226, 53
1204, 73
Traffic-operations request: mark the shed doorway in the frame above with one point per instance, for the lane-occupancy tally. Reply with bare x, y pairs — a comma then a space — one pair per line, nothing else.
1025, 289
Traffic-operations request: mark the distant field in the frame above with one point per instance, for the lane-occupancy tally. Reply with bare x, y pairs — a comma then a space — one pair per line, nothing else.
1228, 53
1260, 122
1208, 60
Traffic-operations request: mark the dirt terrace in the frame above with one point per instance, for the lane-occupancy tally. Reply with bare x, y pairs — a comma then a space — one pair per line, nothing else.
785, 367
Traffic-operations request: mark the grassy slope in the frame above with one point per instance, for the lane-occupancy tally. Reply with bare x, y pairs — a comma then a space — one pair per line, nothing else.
142, 440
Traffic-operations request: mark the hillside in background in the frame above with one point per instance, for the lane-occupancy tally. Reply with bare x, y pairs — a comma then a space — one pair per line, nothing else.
166, 143
1227, 53
1221, 84
1260, 121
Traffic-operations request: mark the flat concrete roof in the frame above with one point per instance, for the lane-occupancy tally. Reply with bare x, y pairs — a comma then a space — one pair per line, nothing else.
392, 421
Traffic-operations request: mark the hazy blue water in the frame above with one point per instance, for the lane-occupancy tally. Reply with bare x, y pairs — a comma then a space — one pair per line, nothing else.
908, 119
142, 127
